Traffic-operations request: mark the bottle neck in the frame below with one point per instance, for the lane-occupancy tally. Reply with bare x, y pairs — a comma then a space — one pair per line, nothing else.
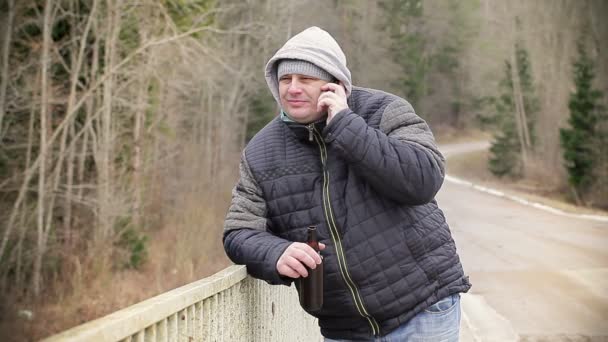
312, 238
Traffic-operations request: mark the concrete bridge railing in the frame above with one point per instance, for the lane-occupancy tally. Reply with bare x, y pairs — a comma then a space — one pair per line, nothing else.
227, 306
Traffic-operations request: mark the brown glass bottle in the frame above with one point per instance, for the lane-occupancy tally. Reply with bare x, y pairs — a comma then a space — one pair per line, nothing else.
311, 287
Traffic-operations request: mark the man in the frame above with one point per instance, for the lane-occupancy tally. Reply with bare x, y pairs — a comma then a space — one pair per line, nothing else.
363, 168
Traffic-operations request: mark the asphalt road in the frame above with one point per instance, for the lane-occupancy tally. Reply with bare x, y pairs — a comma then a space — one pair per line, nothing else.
536, 276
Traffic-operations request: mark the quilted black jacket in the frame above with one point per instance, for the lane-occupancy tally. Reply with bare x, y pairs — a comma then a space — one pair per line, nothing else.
367, 181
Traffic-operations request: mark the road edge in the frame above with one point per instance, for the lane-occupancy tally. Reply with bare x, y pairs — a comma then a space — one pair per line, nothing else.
474, 146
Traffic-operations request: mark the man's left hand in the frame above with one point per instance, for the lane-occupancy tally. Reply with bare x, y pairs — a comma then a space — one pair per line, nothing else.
333, 99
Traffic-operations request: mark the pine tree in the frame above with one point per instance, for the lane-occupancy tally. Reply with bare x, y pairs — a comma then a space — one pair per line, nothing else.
404, 20
505, 158
506, 148
579, 139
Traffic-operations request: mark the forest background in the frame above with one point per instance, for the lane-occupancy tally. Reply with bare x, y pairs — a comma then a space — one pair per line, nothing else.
122, 123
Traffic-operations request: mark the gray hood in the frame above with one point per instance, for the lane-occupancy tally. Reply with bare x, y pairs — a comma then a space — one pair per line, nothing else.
315, 46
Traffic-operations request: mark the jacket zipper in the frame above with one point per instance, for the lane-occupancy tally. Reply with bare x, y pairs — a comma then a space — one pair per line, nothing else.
333, 228
311, 128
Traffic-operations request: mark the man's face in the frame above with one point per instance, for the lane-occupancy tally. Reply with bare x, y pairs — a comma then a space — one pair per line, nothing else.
299, 96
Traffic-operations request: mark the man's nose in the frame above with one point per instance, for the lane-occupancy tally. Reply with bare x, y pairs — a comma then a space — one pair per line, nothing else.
294, 86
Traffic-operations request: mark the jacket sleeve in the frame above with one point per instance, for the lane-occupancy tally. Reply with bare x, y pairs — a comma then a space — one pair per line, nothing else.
246, 238
399, 160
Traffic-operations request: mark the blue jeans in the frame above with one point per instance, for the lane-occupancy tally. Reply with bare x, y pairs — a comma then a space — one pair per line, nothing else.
440, 322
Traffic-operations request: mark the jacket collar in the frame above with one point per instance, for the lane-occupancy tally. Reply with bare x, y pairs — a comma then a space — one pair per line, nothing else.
304, 132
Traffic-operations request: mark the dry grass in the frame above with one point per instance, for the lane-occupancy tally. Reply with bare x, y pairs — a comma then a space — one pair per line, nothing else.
186, 250
537, 187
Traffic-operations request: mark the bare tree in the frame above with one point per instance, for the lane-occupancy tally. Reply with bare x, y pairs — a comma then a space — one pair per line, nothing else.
5, 57
104, 154
44, 113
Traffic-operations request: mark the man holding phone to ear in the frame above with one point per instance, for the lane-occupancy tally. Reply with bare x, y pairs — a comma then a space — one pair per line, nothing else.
363, 168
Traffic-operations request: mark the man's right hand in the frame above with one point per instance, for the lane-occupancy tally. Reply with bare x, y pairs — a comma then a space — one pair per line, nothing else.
298, 255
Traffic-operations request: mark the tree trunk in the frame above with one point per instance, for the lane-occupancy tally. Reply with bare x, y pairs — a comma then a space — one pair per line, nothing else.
289, 19
577, 197
89, 111
140, 111
5, 56
105, 147
77, 58
518, 112
67, 203
520, 115
44, 113
19, 278
209, 134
